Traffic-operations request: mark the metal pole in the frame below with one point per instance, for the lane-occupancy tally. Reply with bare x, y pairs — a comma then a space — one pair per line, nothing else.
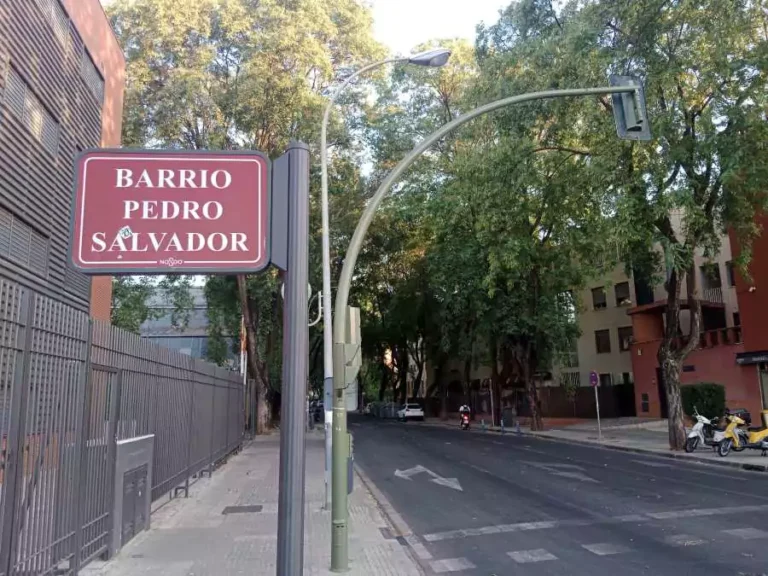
597, 406
339, 557
290, 521
326, 247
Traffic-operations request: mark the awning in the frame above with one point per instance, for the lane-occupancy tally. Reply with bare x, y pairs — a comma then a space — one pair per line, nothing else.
752, 357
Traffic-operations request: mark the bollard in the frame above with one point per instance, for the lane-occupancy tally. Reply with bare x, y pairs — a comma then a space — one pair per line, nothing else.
482, 424
517, 426
502, 425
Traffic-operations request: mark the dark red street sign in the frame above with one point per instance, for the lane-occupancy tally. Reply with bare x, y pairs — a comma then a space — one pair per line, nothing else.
148, 212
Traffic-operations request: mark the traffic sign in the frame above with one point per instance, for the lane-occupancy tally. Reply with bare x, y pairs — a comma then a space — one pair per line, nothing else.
181, 212
594, 379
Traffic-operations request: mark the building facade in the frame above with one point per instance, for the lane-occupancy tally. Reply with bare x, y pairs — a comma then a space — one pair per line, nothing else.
62, 77
733, 345
191, 339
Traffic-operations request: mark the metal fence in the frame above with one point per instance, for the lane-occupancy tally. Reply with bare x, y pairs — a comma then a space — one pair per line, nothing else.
70, 388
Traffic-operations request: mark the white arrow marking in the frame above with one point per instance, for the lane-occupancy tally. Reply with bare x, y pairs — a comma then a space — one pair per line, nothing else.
449, 482
406, 474
436, 478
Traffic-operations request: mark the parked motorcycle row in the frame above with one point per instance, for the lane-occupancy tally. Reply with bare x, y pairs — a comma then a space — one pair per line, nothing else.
731, 432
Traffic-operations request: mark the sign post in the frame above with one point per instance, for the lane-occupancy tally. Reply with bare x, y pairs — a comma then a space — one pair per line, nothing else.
594, 380
187, 212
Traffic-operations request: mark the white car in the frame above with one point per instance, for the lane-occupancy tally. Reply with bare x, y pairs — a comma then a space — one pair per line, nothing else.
410, 411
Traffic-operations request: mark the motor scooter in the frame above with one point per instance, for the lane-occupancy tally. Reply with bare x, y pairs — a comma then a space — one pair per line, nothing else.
739, 435
465, 421
702, 433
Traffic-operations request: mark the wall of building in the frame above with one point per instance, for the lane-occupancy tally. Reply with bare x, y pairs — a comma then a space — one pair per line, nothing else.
753, 293
716, 364
61, 91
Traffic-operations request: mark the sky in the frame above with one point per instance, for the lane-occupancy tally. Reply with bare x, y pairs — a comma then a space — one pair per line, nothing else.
402, 24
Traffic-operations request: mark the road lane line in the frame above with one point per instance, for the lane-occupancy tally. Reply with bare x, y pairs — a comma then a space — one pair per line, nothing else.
553, 524
605, 548
418, 548
747, 533
451, 565
527, 556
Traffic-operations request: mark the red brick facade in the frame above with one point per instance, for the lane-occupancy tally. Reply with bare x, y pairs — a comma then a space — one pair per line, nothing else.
715, 360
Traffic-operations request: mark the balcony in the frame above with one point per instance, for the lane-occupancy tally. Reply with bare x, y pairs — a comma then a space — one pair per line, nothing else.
714, 338
713, 295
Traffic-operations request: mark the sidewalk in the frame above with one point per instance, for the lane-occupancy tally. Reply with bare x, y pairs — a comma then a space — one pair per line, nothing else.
648, 438
193, 537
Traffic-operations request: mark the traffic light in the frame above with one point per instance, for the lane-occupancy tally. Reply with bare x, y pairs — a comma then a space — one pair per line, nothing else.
629, 109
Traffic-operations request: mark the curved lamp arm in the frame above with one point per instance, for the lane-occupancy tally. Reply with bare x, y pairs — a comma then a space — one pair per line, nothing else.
345, 280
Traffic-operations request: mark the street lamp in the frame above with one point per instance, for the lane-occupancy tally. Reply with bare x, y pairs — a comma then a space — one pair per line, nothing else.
631, 120
432, 59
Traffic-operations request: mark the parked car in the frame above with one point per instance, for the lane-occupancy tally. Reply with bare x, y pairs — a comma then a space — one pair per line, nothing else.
410, 412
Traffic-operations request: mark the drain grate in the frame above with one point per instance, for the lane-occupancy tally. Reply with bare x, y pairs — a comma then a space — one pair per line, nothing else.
242, 509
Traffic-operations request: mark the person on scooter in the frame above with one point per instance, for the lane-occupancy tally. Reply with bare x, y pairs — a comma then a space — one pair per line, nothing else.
464, 410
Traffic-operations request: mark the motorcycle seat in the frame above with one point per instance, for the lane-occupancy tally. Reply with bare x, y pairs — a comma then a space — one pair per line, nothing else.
756, 428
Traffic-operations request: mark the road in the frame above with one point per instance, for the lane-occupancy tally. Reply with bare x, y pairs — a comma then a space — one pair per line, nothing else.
482, 504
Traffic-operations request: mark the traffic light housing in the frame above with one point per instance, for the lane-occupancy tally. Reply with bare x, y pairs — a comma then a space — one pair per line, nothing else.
629, 109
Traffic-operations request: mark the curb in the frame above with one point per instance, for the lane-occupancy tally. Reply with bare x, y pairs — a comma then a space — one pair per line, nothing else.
401, 530
675, 455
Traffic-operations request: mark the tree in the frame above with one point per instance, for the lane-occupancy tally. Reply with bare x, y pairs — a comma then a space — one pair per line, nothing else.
130, 302
705, 169
230, 74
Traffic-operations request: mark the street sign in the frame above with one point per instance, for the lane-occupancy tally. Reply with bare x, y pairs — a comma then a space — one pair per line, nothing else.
594, 379
630, 109
180, 212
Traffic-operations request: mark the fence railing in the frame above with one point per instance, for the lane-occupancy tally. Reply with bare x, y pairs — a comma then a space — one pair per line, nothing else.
70, 388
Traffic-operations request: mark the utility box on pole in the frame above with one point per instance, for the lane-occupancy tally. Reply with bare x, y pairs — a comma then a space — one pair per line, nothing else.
353, 357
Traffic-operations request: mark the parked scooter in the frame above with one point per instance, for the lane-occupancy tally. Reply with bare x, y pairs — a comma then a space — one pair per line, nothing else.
739, 435
702, 433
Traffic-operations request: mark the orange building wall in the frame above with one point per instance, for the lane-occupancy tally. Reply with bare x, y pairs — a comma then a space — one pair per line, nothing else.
753, 295
716, 364
94, 28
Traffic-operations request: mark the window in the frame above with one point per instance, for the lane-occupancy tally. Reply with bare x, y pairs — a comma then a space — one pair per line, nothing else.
57, 18
606, 380
603, 341
625, 338
622, 294
23, 245
626, 378
644, 403
736, 319
730, 273
92, 77
710, 275
27, 108
598, 298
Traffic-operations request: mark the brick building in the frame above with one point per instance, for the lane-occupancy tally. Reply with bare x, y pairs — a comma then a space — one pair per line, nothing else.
62, 77
733, 355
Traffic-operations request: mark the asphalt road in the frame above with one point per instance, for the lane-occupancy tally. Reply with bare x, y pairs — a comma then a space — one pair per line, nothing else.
482, 504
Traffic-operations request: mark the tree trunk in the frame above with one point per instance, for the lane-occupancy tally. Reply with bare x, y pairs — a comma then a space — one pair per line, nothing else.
402, 373
495, 384
257, 367
467, 374
672, 352
528, 366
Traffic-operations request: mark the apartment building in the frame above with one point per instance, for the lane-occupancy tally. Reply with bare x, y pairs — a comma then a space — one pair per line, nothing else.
62, 77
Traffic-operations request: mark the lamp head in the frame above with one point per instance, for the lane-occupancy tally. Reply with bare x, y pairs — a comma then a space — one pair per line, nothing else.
431, 58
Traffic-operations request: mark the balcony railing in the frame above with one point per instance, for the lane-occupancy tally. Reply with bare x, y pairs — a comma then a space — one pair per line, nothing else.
714, 295
712, 338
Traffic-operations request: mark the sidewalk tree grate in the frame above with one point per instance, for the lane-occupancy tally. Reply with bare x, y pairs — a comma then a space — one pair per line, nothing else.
242, 509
